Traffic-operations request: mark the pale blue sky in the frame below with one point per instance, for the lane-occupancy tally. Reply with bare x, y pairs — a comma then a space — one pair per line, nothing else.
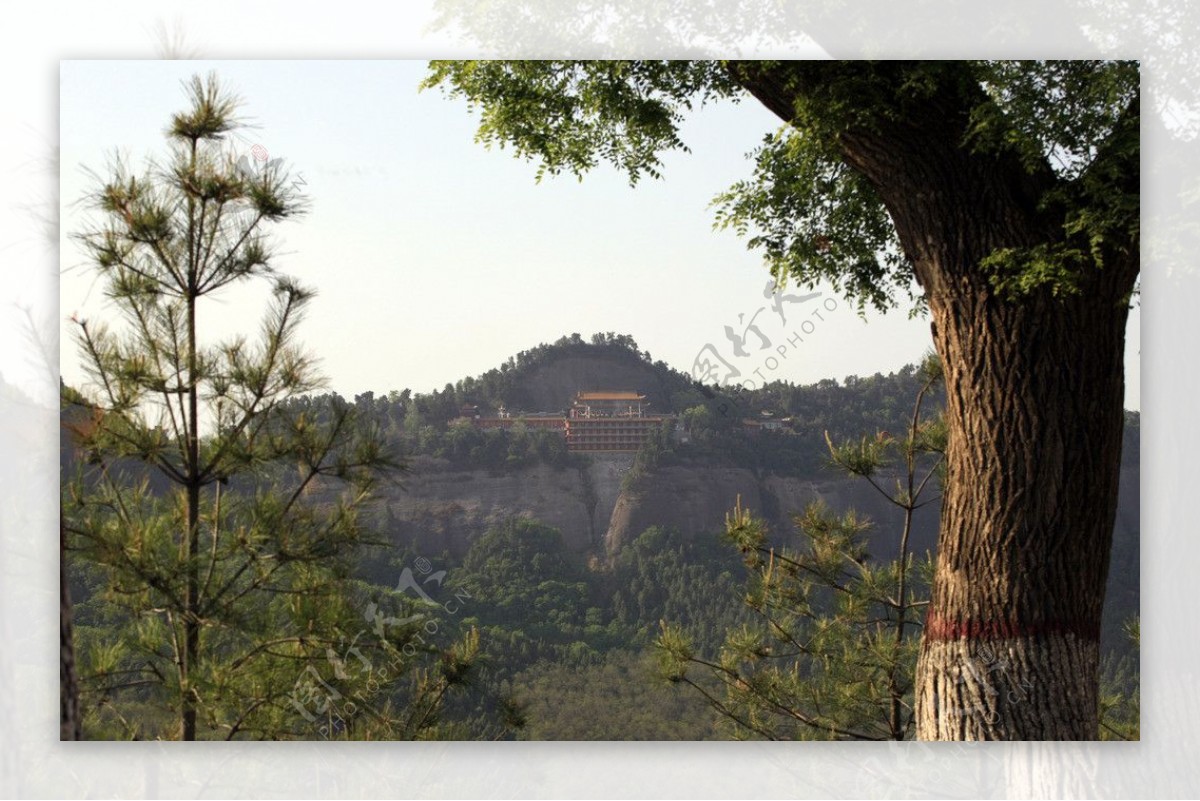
435, 258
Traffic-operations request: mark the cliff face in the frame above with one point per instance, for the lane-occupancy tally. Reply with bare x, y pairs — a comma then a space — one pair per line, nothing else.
695, 499
445, 510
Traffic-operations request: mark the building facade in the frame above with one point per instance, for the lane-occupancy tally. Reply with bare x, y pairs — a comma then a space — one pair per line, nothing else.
610, 420
598, 421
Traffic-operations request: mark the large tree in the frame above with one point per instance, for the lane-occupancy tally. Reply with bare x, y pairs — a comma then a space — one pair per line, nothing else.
1002, 199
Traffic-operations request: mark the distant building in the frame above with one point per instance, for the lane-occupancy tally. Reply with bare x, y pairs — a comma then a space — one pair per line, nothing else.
610, 433
598, 421
551, 421
766, 421
610, 420
467, 415
620, 403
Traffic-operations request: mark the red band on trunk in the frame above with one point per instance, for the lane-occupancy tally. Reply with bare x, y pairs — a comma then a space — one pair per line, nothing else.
938, 628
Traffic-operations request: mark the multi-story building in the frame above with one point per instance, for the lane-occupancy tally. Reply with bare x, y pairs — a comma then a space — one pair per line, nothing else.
610, 421
531, 420
610, 433
609, 403
604, 420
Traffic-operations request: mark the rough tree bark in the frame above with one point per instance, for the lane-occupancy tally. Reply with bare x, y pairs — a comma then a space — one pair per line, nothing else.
1034, 405
1035, 391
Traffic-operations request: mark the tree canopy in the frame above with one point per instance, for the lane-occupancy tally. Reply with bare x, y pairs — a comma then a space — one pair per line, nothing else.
1003, 198
815, 215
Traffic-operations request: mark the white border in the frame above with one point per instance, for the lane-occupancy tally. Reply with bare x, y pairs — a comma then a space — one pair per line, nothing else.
34, 764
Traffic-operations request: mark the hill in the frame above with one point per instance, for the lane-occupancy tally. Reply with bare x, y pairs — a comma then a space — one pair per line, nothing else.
573, 558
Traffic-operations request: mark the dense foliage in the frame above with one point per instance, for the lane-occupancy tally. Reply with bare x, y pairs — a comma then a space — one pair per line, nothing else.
535, 601
558, 633
832, 646
428, 424
1000, 197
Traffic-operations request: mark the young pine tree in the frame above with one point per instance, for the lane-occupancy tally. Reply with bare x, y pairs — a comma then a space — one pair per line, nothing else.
833, 649
215, 522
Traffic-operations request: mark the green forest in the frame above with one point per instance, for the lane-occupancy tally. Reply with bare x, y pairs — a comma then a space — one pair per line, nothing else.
552, 644
232, 559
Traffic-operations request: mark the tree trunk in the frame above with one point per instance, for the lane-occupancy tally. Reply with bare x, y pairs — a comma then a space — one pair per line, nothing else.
1034, 409
1035, 391
70, 723
191, 622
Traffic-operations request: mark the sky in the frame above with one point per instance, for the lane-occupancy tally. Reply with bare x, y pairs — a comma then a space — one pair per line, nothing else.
435, 258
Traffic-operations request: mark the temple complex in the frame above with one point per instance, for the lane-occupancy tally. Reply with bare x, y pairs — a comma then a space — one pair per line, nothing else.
600, 420
610, 421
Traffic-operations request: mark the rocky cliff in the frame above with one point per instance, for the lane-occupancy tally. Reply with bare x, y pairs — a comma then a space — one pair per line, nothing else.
445, 510
440, 509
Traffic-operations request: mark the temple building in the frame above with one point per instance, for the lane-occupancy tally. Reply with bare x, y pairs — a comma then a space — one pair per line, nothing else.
610, 421
621, 403
602, 420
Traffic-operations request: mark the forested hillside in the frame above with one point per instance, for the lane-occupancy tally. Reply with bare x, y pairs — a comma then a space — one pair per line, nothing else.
567, 563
